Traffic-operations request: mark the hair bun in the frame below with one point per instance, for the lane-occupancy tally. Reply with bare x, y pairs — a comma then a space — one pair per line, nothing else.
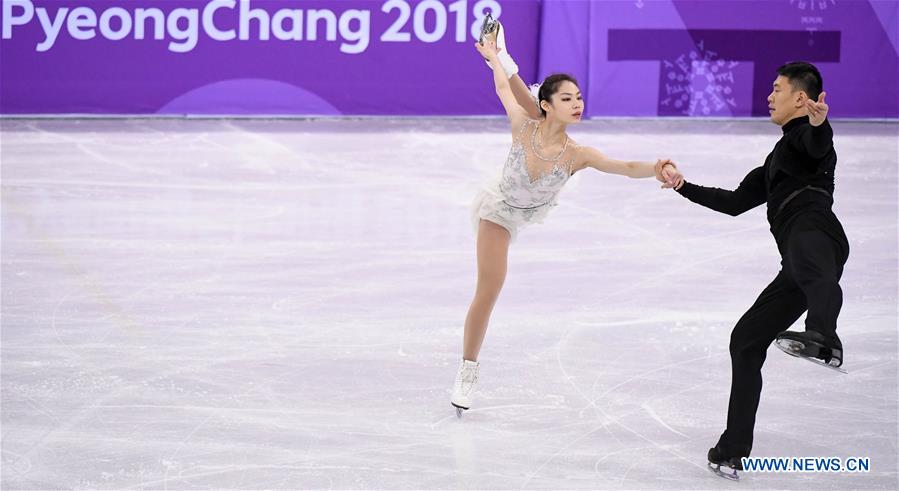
535, 93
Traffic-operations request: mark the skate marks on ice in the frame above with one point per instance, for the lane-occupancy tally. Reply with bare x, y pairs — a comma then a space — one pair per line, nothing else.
697, 386
604, 412
277, 304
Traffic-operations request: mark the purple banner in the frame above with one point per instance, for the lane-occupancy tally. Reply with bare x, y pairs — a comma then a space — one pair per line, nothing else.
415, 57
719, 58
254, 56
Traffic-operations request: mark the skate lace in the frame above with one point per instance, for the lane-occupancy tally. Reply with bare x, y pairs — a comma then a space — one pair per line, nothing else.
468, 377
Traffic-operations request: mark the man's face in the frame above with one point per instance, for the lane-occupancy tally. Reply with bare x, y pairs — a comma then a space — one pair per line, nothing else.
784, 102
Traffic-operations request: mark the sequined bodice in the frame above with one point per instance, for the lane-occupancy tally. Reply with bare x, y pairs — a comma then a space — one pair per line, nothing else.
537, 184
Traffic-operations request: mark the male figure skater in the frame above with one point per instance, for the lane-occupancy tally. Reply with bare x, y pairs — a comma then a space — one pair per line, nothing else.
797, 183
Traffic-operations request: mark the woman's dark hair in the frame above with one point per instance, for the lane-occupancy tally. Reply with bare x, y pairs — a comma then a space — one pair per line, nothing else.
550, 86
803, 76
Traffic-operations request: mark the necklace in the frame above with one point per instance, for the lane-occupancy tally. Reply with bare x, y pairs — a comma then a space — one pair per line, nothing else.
535, 145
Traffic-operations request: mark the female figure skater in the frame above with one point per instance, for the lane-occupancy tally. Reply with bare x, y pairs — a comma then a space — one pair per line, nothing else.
541, 160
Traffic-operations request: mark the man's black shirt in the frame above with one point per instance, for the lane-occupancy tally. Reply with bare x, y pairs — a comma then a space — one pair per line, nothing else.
797, 176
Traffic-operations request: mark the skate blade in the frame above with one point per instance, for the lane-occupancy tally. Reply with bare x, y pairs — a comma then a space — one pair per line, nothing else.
795, 348
459, 410
488, 29
823, 364
716, 469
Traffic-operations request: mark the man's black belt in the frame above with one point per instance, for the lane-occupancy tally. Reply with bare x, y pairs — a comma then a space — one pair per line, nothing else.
797, 193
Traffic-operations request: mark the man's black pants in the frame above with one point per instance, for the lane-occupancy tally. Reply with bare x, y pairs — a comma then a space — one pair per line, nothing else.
813, 251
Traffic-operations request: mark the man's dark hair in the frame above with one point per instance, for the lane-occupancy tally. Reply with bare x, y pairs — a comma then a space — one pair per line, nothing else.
803, 76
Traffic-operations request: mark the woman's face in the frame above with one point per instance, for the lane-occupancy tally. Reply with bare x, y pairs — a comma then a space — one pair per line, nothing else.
567, 104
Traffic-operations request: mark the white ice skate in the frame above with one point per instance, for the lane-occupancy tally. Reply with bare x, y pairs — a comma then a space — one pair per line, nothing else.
489, 29
492, 30
463, 388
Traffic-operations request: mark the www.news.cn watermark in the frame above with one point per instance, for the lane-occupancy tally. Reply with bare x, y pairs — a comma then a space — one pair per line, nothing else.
806, 464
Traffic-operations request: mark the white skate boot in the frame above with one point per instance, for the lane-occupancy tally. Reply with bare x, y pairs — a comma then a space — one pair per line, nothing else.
463, 388
492, 30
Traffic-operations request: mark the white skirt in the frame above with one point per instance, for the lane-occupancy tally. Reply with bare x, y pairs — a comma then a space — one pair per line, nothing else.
489, 204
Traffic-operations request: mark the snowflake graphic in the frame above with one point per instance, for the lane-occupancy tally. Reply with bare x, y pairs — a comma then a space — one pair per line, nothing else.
699, 84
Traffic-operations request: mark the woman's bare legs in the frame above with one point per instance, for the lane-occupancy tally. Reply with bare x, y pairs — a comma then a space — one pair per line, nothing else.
493, 252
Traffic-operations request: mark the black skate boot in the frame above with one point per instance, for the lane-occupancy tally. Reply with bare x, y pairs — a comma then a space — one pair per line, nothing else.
731, 464
814, 347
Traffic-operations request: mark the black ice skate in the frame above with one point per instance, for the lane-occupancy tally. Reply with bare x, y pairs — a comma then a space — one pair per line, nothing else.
717, 461
811, 346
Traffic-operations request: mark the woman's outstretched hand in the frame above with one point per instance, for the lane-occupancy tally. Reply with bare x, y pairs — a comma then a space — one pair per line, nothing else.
668, 174
488, 50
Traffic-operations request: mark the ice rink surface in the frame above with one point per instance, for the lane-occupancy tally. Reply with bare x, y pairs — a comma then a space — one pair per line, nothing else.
246, 304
